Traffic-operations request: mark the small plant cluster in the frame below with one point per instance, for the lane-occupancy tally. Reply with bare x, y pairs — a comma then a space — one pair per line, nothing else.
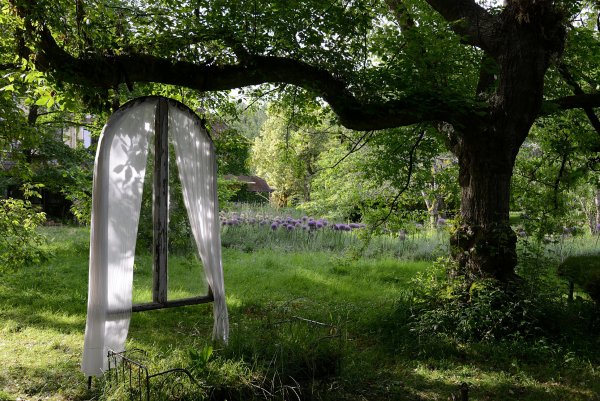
486, 310
20, 243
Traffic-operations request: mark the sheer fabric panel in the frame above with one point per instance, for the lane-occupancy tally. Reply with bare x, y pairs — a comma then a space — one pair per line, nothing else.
116, 201
197, 167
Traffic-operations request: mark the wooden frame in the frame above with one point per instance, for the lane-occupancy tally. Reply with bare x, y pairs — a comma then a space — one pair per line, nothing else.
160, 217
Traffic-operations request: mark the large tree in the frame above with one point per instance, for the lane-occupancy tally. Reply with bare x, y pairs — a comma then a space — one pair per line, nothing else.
476, 72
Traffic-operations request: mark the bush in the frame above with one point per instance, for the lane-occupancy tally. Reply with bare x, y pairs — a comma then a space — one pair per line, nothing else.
583, 270
533, 308
20, 244
481, 310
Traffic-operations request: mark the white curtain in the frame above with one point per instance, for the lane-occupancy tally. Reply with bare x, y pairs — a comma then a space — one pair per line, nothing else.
116, 202
197, 167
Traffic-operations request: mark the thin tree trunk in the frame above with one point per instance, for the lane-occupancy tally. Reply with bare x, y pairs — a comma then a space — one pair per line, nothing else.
432, 209
597, 202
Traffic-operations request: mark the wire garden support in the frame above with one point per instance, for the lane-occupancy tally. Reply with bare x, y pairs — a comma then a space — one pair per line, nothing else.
135, 377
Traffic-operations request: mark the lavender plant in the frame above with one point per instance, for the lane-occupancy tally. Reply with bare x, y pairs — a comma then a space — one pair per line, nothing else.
250, 228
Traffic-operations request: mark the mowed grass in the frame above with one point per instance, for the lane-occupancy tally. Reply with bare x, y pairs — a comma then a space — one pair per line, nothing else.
303, 325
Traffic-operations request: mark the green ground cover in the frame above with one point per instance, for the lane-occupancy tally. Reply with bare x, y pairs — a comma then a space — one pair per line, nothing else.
304, 325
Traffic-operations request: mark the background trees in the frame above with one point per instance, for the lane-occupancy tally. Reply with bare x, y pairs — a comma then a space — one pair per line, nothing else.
556, 175
286, 153
475, 72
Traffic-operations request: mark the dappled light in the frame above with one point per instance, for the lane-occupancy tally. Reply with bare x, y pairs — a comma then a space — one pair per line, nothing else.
119, 175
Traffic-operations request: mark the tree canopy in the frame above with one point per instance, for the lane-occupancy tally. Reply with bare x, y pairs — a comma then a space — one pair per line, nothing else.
378, 64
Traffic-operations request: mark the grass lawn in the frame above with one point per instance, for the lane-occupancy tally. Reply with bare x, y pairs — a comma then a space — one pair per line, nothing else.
313, 325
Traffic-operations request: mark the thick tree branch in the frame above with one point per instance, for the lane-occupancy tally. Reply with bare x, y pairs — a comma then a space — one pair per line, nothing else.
583, 101
572, 82
470, 20
108, 71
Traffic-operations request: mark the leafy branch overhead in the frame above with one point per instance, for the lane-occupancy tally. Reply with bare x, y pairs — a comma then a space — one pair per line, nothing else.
360, 105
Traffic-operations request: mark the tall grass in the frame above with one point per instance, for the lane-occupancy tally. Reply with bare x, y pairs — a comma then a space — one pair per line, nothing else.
249, 228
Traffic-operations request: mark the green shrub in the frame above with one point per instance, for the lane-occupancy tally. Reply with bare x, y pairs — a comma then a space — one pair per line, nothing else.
482, 310
532, 308
20, 244
583, 270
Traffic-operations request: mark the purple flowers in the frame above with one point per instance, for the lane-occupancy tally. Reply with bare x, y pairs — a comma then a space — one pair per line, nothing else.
341, 227
344, 227
288, 223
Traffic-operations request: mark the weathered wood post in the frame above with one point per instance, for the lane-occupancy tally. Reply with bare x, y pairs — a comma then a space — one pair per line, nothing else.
160, 211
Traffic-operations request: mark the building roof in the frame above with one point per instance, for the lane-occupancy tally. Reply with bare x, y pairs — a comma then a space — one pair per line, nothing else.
254, 183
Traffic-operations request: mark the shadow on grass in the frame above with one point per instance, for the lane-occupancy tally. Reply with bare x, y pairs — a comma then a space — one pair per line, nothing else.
56, 379
529, 369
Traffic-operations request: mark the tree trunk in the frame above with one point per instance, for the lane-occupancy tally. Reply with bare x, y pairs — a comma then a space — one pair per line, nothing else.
435, 208
484, 244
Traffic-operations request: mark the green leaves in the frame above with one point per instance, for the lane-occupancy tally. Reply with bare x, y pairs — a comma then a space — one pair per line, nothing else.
20, 244
45, 100
553, 183
199, 360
